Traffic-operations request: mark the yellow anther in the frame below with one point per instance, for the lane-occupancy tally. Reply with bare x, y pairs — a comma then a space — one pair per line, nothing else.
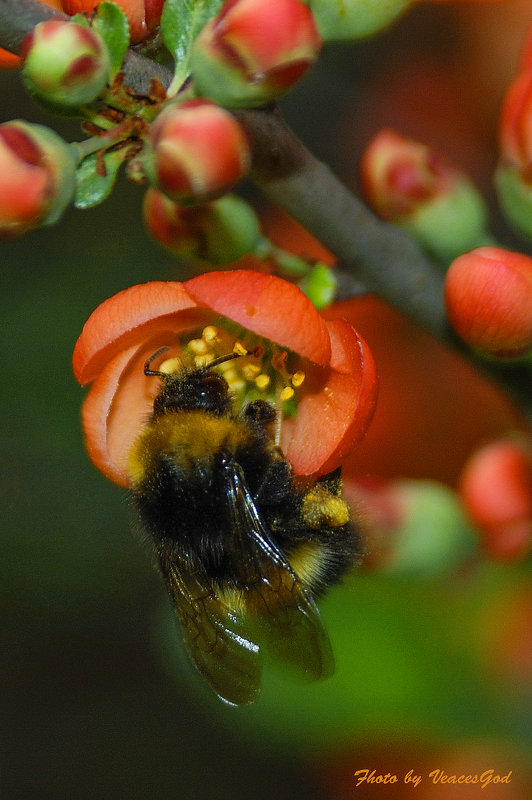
250, 371
298, 378
286, 394
262, 381
170, 365
198, 346
202, 361
239, 348
231, 375
210, 334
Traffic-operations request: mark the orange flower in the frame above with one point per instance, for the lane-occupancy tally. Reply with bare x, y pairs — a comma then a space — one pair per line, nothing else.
324, 370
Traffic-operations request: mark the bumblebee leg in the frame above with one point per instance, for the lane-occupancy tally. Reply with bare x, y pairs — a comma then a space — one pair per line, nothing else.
260, 413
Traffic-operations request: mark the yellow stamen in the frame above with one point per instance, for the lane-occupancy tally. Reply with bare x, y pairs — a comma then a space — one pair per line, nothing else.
170, 365
239, 348
298, 378
262, 381
202, 361
286, 394
250, 371
198, 346
210, 334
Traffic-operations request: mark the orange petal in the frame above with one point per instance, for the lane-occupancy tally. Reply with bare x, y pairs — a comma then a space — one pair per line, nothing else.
119, 403
128, 318
337, 406
268, 306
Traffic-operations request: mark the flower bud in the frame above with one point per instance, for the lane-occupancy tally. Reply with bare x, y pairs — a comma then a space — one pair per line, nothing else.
197, 151
143, 15
10, 60
254, 51
37, 177
396, 517
216, 233
410, 184
513, 179
65, 65
496, 489
355, 19
488, 294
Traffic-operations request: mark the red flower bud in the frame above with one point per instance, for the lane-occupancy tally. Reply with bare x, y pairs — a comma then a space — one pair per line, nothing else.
197, 151
37, 177
409, 183
214, 233
496, 488
488, 293
143, 15
515, 132
254, 51
64, 64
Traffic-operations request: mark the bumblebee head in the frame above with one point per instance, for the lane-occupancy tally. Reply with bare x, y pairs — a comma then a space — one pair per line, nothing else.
186, 389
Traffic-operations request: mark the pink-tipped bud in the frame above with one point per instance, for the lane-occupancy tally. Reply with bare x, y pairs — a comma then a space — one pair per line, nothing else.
143, 15
395, 517
409, 183
37, 177
496, 489
215, 233
488, 294
197, 152
64, 64
254, 51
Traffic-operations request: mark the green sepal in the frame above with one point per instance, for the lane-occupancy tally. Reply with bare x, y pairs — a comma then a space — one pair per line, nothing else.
91, 187
181, 22
80, 19
319, 285
354, 19
112, 25
515, 198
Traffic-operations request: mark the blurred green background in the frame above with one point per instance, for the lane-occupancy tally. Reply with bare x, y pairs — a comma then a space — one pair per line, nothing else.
98, 698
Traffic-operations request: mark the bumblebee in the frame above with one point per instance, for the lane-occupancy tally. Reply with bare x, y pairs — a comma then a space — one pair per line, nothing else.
244, 550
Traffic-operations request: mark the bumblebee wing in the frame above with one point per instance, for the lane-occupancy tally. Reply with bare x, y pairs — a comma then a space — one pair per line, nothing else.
287, 618
229, 661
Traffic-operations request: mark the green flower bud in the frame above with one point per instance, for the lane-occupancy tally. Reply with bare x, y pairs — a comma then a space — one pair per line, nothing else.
65, 65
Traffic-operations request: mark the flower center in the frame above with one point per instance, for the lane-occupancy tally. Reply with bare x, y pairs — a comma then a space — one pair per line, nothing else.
263, 370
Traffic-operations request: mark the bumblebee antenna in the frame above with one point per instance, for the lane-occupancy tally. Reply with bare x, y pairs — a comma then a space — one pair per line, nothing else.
151, 359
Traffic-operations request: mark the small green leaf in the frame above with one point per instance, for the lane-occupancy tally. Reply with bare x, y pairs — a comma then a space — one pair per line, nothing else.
91, 187
112, 25
181, 22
